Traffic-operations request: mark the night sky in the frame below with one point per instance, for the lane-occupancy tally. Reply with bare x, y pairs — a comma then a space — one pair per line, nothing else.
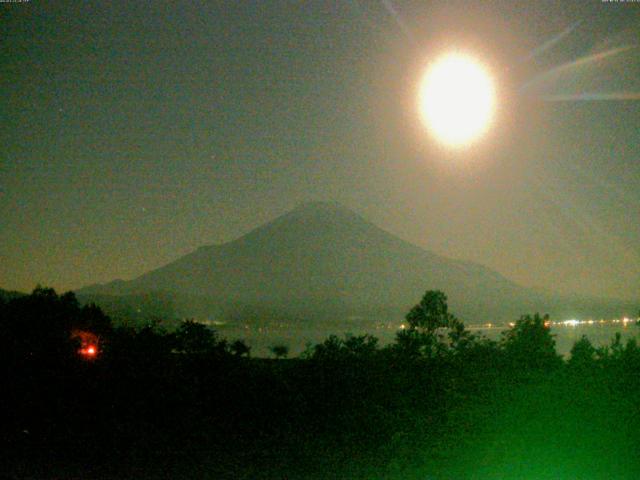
135, 132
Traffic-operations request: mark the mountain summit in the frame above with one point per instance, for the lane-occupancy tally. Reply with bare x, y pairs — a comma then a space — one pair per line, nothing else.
321, 258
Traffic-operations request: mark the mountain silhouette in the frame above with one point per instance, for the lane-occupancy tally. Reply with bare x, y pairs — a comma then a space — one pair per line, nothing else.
322, 258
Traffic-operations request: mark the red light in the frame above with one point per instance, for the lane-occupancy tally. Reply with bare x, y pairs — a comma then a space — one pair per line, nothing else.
89, 351
89, 343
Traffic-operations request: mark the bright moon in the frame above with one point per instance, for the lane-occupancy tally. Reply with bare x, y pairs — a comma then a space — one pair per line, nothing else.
457, 99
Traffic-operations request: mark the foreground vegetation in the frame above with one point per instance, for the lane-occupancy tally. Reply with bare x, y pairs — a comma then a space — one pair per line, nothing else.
438, 403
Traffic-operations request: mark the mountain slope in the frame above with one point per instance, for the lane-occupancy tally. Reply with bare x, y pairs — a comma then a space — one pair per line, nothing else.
323, 258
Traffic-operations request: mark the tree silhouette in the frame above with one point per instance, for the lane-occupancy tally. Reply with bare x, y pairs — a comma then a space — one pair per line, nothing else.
38, 327
92, 318
279, 351
240, 348
412, 343
360, 345
530, 345
194, 337
331, 348
431, 313
425, 319
460, 339
349, 348
582, 353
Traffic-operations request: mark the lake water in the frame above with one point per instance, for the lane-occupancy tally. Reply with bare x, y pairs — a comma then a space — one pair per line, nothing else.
296, 337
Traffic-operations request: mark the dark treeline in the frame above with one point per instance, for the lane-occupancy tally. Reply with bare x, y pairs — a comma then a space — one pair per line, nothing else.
84, 398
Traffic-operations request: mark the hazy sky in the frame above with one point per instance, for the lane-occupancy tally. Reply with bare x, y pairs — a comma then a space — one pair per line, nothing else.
134, 132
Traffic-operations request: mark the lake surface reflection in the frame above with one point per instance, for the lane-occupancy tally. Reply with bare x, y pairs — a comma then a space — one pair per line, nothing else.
297, 337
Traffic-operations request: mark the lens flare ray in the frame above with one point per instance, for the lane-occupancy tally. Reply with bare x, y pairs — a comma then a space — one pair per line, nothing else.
570, 66
592, 97
396, 16
536, 52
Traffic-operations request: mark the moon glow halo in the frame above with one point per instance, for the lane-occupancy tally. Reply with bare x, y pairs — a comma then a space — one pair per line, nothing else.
457, 100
